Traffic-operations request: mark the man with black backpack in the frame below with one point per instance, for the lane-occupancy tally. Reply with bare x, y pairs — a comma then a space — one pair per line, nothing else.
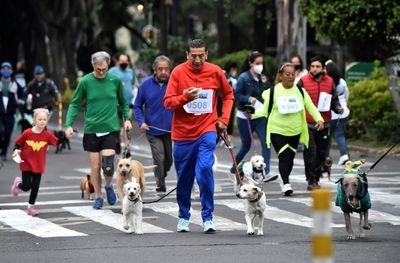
41, 91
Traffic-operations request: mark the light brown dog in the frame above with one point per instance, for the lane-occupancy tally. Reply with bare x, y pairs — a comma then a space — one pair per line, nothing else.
353, 196
126, 169
86, 186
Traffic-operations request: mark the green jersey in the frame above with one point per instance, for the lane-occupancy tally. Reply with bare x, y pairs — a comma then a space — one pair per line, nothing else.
101, 98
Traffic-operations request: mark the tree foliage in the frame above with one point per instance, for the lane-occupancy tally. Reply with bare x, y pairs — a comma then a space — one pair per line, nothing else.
370, 28
373, 115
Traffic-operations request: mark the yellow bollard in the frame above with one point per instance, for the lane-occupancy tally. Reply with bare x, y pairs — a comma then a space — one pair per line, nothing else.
322, 248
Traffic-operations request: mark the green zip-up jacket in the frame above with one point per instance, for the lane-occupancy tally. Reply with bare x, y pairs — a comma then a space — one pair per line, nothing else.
287, 124
101, 98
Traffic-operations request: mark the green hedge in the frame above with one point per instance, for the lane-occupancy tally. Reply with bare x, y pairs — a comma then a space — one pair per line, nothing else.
373, 116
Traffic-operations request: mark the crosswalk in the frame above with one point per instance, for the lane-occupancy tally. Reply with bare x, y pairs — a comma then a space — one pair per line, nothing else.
45, 226
62, 217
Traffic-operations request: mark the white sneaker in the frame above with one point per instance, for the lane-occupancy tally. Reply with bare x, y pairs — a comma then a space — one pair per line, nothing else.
287, 189
343, 159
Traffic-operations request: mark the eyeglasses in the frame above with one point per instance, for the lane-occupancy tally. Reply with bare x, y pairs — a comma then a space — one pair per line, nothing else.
100, 70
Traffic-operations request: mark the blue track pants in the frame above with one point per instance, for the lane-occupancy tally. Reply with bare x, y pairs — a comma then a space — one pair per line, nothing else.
194, 159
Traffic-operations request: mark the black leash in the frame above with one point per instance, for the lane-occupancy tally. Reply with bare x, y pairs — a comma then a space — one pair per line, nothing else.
222, 135
380, 158
161, 198
126, 150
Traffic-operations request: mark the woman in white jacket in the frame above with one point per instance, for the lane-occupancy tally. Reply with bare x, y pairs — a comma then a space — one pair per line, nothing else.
339, 122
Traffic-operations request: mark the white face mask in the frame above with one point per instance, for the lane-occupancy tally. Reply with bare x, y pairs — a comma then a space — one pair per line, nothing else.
258, 69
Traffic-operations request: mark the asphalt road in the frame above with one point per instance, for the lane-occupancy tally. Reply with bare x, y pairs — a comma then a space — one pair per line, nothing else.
69, 230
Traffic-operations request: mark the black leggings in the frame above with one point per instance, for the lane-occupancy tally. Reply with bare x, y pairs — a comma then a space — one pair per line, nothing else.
285, 147
31, 181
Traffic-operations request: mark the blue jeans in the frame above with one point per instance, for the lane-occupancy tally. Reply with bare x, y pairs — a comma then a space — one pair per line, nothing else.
195, 159
338, 130
260, 127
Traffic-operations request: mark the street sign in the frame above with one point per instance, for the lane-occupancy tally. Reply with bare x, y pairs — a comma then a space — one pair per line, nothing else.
356, 71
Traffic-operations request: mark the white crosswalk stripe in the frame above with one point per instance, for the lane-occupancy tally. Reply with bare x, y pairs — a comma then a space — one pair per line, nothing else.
109, 218
275, 214
19, 220
171, 209
373, 215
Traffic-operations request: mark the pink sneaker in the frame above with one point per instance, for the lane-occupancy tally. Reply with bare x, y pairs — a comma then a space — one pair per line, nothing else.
14, 187
31, 210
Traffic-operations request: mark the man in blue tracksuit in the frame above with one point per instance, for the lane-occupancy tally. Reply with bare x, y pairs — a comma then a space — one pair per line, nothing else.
155, 119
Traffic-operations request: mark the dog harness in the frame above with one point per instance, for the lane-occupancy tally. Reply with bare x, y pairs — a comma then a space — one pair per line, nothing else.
246, 169
362, 190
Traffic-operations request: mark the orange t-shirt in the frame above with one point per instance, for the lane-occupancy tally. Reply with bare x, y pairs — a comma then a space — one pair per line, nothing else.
188, 126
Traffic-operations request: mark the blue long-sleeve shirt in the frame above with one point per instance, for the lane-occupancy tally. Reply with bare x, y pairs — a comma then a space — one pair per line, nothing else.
149, 108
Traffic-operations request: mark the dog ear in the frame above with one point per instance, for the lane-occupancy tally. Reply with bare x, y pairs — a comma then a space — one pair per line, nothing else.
256, 189
88, 176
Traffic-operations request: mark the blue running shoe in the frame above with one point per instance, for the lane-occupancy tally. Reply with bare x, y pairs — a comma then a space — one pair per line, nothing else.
98, 203
111, 198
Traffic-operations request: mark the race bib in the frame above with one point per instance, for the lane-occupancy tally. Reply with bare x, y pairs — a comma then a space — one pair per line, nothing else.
289, 104
324, 102
201, 105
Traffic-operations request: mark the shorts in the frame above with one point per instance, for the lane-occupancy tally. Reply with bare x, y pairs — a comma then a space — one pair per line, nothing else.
92, 143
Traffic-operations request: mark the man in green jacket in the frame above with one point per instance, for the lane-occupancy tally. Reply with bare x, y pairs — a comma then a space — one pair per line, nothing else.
101, 92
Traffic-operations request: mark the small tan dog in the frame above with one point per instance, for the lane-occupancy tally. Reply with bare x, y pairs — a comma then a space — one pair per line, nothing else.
353, 196
254, 207
87, 186
126, 169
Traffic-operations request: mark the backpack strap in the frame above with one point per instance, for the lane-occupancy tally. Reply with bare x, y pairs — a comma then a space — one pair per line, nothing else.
271, 97
271, 100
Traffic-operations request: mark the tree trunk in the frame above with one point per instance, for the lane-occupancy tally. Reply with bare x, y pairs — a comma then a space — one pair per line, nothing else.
223, 29
291, 30
260, 29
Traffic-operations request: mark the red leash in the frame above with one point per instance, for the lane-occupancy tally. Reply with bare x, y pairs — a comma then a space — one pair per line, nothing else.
230, 148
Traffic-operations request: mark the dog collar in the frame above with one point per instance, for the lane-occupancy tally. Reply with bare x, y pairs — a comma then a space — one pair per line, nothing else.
134, 200
260, 194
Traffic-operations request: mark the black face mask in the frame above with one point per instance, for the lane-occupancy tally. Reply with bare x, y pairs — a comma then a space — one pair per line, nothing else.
297, 67
317, 75
123, 65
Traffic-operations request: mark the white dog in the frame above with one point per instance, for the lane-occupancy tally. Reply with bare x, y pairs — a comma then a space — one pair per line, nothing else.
132, 208
254, 207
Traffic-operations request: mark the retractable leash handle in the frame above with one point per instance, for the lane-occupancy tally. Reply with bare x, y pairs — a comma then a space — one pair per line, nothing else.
230, 148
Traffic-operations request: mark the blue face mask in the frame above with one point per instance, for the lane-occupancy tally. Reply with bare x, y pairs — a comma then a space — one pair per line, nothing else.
6, 73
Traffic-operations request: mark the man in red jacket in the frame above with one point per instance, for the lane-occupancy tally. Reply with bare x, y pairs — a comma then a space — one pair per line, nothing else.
192, 93
321, 89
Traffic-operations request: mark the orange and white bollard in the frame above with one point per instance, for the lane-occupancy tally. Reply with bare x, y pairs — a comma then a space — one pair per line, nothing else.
322, 248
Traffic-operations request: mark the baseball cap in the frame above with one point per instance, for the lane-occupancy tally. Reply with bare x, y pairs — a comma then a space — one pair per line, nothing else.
38, 70
6, 64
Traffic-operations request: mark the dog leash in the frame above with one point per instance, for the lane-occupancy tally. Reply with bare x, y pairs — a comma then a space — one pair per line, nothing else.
126, 150
380, 158
222, 135
161, 198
